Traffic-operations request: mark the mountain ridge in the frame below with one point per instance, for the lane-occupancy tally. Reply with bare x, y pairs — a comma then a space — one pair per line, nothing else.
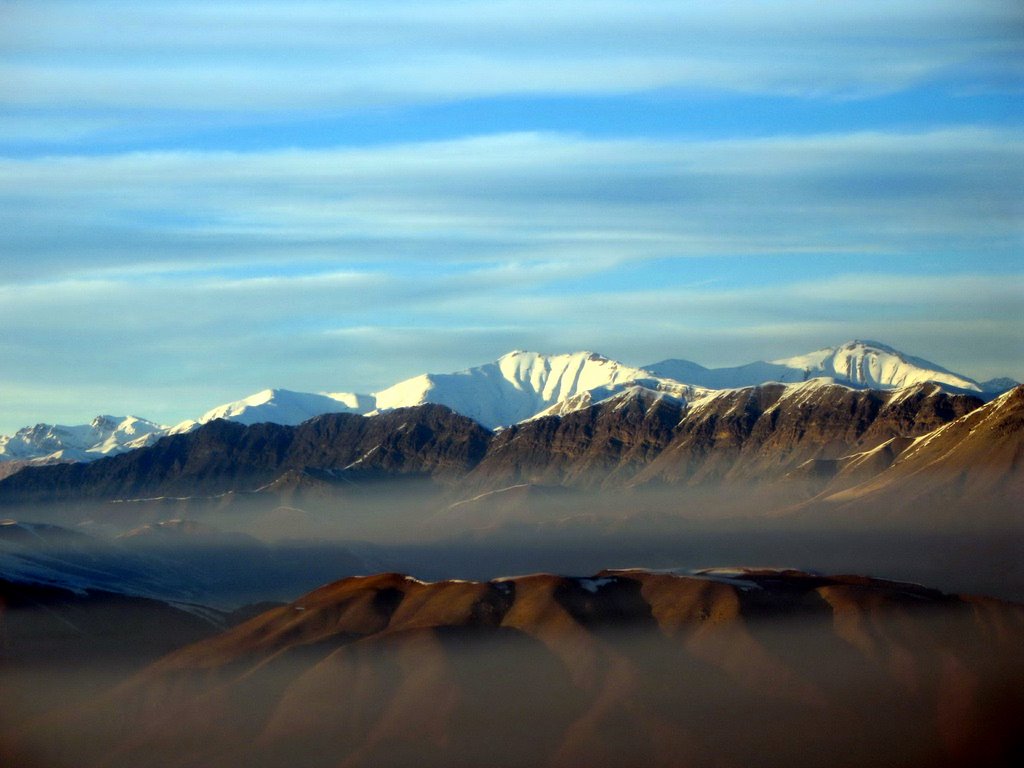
613, 669
858, 363
516, 387
637, 437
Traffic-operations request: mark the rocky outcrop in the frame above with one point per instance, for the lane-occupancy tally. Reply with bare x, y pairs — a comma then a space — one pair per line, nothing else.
761, 433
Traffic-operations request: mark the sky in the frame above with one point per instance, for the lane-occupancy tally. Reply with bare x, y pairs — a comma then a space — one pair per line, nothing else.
202, 200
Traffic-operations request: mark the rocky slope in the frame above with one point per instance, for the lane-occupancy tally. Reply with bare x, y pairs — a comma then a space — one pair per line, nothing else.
774, 446
625, 668
969, 472
763, 432
607, 443
756, 434
226, 456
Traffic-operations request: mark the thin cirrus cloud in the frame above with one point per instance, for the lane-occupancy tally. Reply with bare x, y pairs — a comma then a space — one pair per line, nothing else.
521, 197
114, 69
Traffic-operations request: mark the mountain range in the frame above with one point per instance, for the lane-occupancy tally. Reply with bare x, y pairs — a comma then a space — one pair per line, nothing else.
775, 447
517, 387
572, 421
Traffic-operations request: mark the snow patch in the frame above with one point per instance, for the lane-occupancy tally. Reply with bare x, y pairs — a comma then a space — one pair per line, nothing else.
593, 585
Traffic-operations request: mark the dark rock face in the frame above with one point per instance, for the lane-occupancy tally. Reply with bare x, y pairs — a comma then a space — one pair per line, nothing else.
215, 458
603, 445
917, 410
763, 432
753, 434
224, 456
966, 473
428, 440
626, 668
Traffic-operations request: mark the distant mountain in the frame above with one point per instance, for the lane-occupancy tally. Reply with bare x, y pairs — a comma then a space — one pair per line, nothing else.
638, 436
103, 436
279, 406
187, 563
862, 364
53, 556
521, 385
736, 666
223, 456
515, 388
999, 385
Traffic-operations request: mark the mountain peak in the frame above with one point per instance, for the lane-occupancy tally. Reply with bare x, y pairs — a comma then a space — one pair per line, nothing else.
869, 343
873, 365
519, 385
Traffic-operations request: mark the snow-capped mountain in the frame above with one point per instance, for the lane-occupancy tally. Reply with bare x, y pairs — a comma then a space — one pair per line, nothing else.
281, 406
521, 385
103, 436
872, 365
859, 364
516, 387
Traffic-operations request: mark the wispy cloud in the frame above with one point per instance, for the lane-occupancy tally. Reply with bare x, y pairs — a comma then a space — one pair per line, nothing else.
103, 59
945, 194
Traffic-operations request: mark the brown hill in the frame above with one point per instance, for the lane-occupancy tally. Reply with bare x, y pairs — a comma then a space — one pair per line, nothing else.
627, 668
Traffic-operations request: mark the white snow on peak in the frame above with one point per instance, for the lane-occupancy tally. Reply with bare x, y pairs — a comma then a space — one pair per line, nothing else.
521, 385
518, 386
280, 406
857, 363
354, 402
103, 436
873, 365
619, 396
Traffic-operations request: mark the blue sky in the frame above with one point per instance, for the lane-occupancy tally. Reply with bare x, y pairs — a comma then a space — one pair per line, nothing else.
200, 200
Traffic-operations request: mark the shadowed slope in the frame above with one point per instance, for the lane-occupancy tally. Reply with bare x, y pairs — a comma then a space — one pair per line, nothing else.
966, 474
733, 667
